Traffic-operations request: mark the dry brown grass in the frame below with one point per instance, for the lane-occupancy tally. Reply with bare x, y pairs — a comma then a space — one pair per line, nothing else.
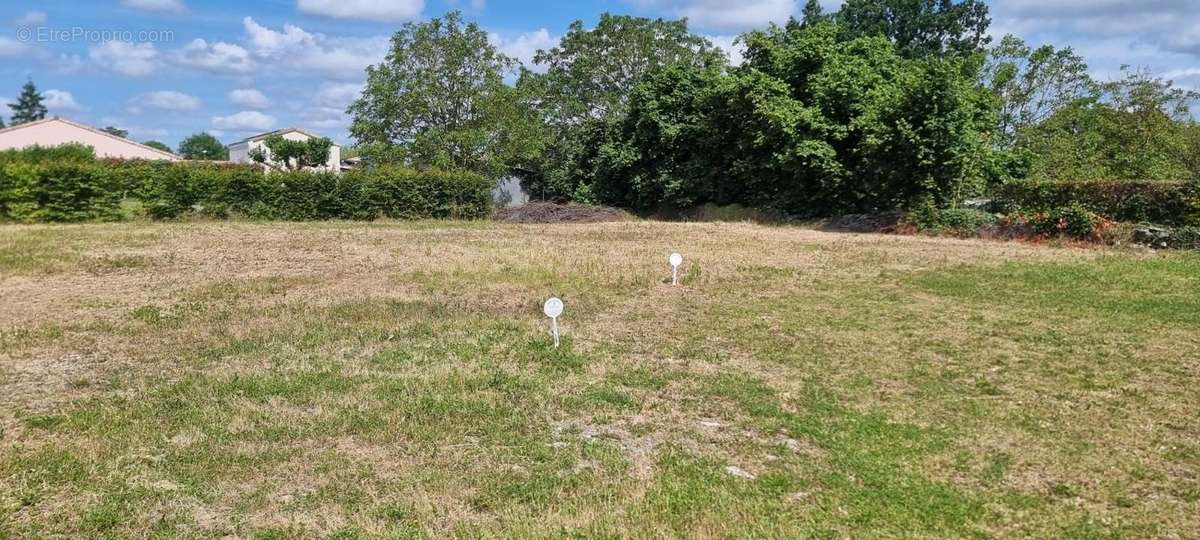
234, 378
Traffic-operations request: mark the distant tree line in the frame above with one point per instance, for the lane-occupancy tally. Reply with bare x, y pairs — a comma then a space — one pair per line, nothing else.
881, 104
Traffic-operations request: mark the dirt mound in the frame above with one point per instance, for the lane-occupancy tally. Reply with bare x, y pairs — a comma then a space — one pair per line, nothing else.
544, 212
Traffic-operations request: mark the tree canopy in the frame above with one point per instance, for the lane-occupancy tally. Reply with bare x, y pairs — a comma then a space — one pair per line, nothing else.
1032, 84
439, 100
1138, 127
919, 27
288, 154
159, 146
203, 146
810, 124
29, 106
879, 105
122, 133
587, 82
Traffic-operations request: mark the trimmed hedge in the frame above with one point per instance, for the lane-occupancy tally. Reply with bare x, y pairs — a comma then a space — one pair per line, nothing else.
91, 190
64, 191
1164, 202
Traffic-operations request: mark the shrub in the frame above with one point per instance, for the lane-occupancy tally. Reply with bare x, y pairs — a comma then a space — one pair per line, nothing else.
1073, 221
1184, 238
928, 218
408, 194
168, 190
45, 154
93, 190
1165, 202
65, 191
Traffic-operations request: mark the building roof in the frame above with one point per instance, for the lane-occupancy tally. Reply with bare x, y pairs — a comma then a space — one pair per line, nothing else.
262, 136
59, 119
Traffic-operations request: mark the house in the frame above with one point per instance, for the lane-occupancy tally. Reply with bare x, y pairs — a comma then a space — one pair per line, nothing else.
58, 131
239, 152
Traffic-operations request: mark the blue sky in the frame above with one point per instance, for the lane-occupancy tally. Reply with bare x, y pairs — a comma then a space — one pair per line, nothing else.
164, 69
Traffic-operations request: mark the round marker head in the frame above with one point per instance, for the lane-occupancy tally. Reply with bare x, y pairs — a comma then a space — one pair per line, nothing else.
676, 259
553, 308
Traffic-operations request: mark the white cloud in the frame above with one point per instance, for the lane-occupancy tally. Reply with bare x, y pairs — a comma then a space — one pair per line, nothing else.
525, 46
734, 51
170, 6
136, 133
338, 95
32, 18
380, 10
133, 59
244, 121
295, 50
249, 98
217, 57
59, 100
724, 14
164, 100
12, 47
67, 63
327, 109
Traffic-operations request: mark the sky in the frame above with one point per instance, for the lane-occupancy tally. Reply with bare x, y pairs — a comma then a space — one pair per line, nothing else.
165, 69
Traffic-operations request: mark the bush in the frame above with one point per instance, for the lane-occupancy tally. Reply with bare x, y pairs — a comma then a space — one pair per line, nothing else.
1184, 238
66, 191
1073, 221
1165, 202
74, 190
963, 221
47, 154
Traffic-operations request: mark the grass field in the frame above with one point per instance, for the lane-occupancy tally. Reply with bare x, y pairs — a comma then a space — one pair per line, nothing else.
350, 380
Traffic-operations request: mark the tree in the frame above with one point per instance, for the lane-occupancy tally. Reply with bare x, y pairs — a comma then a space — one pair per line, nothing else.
810, 125
159, 146
292, 155
1136, 128
813, 13
29, 107
116, 131
587, 81
590, 74
919, 27
439, 100
1032, 84
203, 146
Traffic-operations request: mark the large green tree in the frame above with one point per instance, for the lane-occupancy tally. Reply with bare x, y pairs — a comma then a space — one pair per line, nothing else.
811, 124
28, 107
586, 82
439, 100
1138, 127
203, 146
919, 27
1031, 84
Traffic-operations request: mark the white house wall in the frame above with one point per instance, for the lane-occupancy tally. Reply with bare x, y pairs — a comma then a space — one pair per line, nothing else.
240, 153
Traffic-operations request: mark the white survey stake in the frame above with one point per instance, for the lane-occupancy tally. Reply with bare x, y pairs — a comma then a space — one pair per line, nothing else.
552, 309
675, 260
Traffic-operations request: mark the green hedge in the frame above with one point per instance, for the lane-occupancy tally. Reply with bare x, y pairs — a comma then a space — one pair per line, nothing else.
41, 190
1165, 202
57, 192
